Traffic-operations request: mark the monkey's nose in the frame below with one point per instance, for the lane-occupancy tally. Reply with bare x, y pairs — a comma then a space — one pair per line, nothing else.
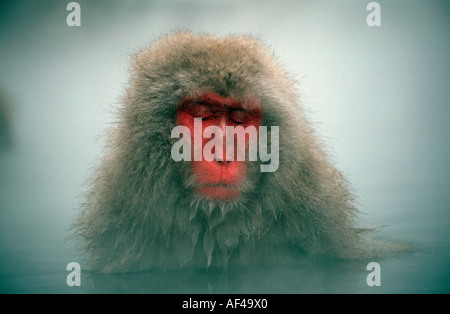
221, 161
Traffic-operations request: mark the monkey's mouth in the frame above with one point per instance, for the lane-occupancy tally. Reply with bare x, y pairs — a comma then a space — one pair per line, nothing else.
218, 191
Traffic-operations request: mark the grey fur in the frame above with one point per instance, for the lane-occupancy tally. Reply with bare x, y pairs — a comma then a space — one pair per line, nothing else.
141, 213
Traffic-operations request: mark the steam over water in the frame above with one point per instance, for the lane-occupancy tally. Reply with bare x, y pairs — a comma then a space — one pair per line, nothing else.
377, 96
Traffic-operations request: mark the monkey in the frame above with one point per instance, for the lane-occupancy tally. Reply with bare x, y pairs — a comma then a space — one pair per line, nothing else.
145, 210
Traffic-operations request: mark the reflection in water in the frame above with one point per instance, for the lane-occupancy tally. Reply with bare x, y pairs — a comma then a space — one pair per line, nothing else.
305, 278
402, 274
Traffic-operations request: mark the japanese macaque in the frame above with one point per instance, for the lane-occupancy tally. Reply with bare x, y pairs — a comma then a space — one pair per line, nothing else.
147, 208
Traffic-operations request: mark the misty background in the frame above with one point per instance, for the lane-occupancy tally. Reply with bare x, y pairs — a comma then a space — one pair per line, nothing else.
378, 98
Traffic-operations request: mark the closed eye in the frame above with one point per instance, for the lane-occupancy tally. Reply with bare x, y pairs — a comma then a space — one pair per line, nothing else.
207, 118
240, 116
201, 111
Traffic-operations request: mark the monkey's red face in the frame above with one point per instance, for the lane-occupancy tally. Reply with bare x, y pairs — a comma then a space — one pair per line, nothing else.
221, 178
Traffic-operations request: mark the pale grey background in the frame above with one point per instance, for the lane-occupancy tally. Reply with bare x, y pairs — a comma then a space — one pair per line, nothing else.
378, 97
